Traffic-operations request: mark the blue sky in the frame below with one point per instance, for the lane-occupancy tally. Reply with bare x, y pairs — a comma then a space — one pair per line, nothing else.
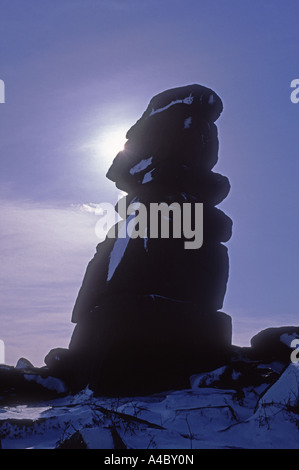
78, 74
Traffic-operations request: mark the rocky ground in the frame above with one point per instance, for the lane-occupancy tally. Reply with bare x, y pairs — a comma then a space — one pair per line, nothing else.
248, 403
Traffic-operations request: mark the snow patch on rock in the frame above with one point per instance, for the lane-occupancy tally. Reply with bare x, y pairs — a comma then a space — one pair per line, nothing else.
187, 122
50, 383
148, 177
142, 165
119, 248
188, 100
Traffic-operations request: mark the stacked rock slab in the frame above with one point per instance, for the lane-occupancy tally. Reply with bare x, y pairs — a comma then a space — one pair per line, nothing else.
147, 313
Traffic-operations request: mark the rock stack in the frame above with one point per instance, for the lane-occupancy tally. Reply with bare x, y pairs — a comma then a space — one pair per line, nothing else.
147, 313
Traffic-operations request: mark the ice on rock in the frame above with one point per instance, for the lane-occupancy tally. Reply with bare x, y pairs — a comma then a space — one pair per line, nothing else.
187, 122
148, 177
145, 163
187, 100
21, 412
119, 248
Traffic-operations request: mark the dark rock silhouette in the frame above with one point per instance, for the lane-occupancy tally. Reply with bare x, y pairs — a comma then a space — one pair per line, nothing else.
147, 313
25, 383
275, 343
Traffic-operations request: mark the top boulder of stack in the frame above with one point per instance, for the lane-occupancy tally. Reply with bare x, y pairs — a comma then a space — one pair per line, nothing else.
194, 98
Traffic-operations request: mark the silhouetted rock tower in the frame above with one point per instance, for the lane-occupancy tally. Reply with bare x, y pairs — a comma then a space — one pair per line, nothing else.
148, 312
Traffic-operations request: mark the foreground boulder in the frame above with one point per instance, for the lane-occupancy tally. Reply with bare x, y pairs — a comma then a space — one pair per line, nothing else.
27, 384
275, 343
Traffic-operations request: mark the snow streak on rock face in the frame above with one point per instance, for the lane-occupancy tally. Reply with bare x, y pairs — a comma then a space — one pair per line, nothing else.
165, 166
147, 177
188, 100
142, 165
221, 410
119, 248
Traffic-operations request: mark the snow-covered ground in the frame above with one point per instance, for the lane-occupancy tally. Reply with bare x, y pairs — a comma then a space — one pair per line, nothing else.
205, 416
